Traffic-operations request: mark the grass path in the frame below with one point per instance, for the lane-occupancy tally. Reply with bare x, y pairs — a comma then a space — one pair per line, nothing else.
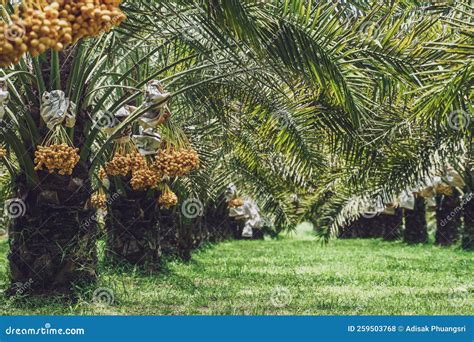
295, 276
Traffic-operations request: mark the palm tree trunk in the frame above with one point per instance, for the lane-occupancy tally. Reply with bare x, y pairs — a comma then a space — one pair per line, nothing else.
416, 229
392, 225
133, 235
348, 231
448, 219
53, 240
365, 228
468, 233
218, 223
189, 235
168, 228
180, 235
258, 234
140, 233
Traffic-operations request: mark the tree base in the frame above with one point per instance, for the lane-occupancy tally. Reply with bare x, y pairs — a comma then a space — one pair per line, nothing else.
133, 235
468, 233
220, 226
448, 220
363, 228
416, 229
53, 242
392, 225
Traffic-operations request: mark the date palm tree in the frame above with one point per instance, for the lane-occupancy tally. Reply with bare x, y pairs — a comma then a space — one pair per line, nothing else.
272, 124
448, 219
53, 238
329, 100
468, 209
416, 229
422, 128
53, 241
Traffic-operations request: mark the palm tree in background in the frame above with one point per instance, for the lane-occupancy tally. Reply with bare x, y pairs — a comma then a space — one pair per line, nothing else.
332, 101
53, 242
425, 128
416, 229
285, 131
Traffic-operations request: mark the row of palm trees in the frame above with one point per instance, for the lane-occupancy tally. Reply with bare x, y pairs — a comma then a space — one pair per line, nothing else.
411, 225
424, 126
328, 100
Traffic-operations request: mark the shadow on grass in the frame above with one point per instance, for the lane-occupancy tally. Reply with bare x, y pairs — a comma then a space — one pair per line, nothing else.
112, 279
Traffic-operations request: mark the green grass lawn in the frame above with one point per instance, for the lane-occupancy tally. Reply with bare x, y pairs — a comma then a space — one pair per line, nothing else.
295, 275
